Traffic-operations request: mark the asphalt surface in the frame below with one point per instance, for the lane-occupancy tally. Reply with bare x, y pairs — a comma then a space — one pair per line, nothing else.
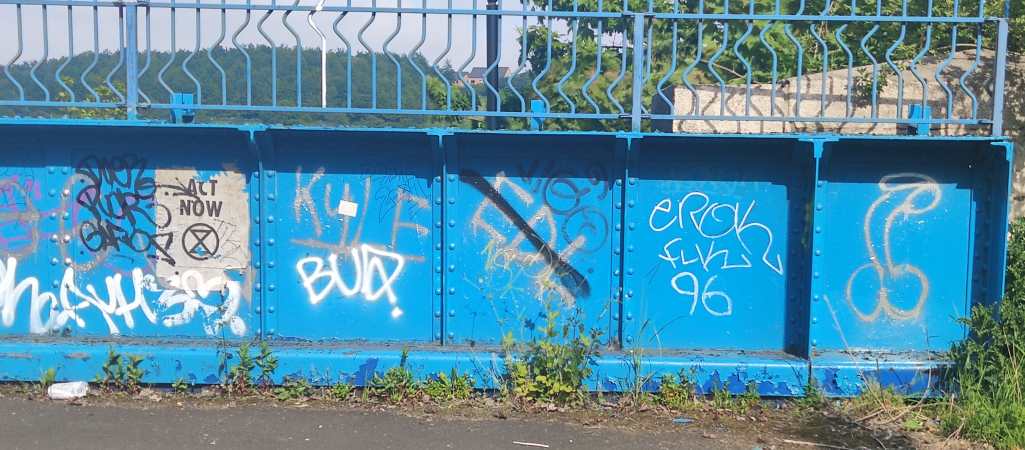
34, 424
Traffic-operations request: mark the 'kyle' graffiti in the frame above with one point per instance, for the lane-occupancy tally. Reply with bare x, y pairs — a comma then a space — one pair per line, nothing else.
120, 208
711, 237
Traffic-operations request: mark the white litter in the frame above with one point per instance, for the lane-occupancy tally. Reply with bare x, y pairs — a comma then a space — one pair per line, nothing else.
68, 391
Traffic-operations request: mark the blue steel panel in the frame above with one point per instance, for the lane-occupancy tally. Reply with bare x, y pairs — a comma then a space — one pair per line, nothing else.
354, 222
708, 244
889, 285
113, 262
535, 229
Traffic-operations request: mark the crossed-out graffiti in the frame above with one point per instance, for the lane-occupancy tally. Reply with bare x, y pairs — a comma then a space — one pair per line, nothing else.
188, 296
559, 205
921, 194
372, 269
19, 217
713, 237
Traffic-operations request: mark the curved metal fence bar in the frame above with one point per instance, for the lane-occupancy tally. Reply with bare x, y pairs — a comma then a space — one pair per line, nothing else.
740, 65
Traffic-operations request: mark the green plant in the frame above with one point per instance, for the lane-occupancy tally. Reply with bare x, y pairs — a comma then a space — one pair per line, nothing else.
989, 370
813, 396
180, 386
240, 375
342, 390
721, 398
676, 393
445, 388
749, 399
397, 382
122, 373
47, 378
267, 363
293, 389
554, 367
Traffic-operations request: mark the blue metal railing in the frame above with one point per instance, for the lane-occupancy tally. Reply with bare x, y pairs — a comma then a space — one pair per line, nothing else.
629, 65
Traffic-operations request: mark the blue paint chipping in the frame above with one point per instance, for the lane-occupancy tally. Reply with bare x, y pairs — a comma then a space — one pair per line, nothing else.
732, 260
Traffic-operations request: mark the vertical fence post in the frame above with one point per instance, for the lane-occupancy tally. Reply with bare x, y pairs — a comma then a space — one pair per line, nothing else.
131, 51
493, 79
998, 83
638, 72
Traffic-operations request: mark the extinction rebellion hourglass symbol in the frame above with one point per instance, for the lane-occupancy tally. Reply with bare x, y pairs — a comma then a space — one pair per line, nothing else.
200, 241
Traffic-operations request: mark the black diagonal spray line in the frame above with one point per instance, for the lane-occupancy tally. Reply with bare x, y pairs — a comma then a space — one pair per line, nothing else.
568, 276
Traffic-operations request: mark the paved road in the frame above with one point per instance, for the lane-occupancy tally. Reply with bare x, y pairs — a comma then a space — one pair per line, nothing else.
28, 424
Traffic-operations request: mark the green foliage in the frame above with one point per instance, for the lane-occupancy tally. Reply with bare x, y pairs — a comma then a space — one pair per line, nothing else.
342, 390
813, 397
551, 368
240, 376
266, 362
741, 404
396, 384
676, 393
121, 372
180, 386
293, 389
47, 378
445, 388
990, 365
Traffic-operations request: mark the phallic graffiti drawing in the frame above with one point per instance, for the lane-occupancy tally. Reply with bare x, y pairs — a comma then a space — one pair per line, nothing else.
921, 194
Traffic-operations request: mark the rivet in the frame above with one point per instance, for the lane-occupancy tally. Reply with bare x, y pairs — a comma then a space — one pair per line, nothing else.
816, 275
451, 200
815, 297
451, 268
437, 313
451, 313
629, 316
630, 271
270, 196
630, 248
270, 264
67, 192
256, 219
256, 264
259, 309
270, 332
632, 225
437, 269
437, 224
619, 227
55, 283
814, 342
451, 178
50, 169
451, 335
53, 216
270, 174
438, 292
437, 336
437, 200
54, 261
630, 203
615, 317
629, 339
630, 293
619, 205
53, 238
616, 250
437, 246
451, 291
818, 206
451, 245
67, 261
270, 219
451, 223
258, 286
270, 241
256, 197
633, 180
615, 273
53, 192
437, 179
256, 242
270, 288
814, 320
818, 252
270, 309
619, 182
65, 170
821, 183
66, 216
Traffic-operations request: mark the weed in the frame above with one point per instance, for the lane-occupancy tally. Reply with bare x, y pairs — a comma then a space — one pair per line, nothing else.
47, 378
122, 373
553, 368
445, 388
749, 399
721, 398
396, 384
180, 386
240, 376
813, 397
267, 363
676, 393
989, 368
342, 390
293, 389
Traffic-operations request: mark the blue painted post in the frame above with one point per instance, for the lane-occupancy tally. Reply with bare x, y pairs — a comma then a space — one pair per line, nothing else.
638, 72
131, 58
998, 83
537, 106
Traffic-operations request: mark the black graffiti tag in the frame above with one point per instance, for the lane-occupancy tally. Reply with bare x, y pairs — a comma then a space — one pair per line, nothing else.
119, 199
569, 276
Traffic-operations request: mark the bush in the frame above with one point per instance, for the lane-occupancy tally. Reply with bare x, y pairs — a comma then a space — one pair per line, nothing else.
989, 369
553, 368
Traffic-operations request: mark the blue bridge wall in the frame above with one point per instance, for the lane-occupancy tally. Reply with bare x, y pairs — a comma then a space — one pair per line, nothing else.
729, 259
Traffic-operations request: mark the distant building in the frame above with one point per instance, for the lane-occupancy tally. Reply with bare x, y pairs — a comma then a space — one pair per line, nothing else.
477, 74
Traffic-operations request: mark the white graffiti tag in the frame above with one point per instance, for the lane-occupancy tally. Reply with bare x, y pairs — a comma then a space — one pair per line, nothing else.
922, 195
725, 237
70, 302
374, 274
